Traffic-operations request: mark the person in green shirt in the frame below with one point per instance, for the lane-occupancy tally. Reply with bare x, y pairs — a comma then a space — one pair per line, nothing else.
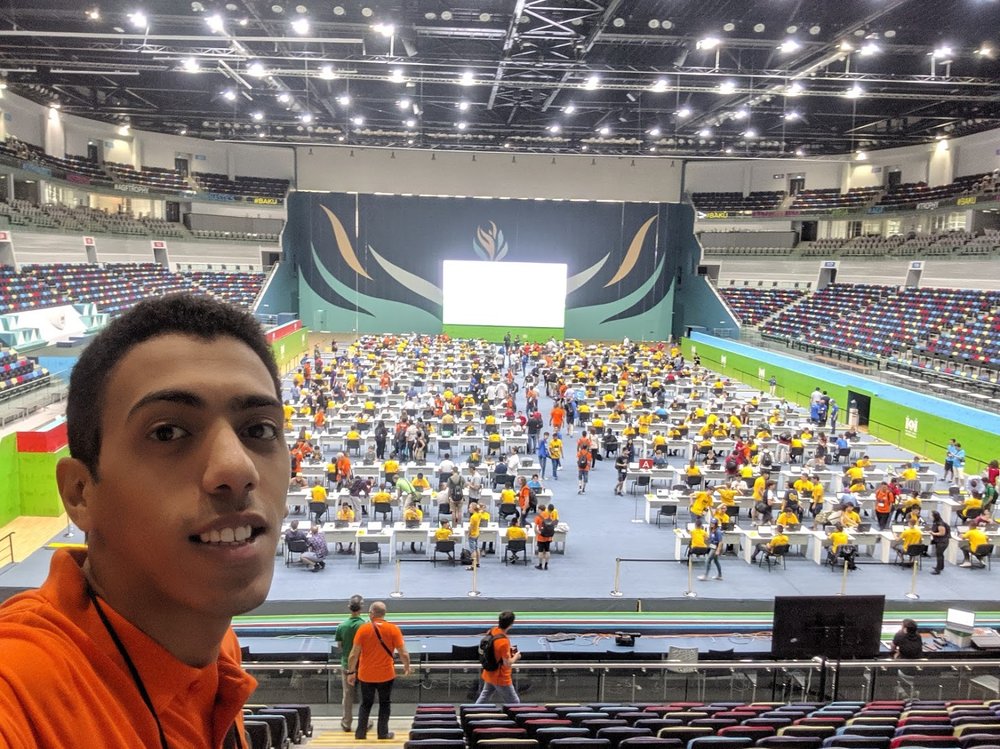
345, 637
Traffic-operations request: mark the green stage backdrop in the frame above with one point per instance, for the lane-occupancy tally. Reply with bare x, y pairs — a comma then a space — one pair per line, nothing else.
908, 426
373, 263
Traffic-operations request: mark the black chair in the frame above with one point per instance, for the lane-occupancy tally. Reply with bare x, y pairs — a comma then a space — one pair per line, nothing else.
367, 549
913, 553
318, 510
507, 510
443, 547
549, 734
984, 551
693, 481
513, 548
617, 734
295, 546
353, 447
435, 744
444, 508
277, 727
384, 509
774, 557
258, 734
698, 551
640, 482
665, 512
305, 716
291, 716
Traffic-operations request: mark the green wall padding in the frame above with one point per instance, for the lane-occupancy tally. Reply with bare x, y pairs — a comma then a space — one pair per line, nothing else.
37, 477
10, 497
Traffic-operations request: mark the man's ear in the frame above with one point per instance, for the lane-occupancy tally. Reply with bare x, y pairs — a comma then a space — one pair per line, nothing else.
76, 487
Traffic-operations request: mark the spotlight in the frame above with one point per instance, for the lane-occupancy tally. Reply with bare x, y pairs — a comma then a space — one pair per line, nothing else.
404, 103
229, 95
284, 97
659, 86
655, 132
869, 48
300, 26
190, 65
462, 106
385, 29
256, 69
215, 23
344, 100
709, 42
138, 19
683, 113
461, 125
604, 130
306, 118
727, 87
357, 121
788, 46
592, 82
396, 76
467, 79
569, 109
257, 116
326, 73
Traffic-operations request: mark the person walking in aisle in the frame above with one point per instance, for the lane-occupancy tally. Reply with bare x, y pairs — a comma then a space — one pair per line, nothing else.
498, 681
714, 550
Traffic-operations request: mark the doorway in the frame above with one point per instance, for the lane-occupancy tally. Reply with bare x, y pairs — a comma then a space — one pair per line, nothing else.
864, 405
796, 185
181, 166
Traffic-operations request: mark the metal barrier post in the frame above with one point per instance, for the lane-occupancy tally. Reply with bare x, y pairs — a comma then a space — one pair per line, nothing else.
635, 510
617, 593
474, 593
912, 595
397, 593
843, 580
689, 593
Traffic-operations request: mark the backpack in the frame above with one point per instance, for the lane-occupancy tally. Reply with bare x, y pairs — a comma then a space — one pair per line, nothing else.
582, 462
487, 653
465, 557
548, 528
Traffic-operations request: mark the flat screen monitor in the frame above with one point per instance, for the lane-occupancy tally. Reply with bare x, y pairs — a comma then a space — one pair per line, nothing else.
843, 627
960, 621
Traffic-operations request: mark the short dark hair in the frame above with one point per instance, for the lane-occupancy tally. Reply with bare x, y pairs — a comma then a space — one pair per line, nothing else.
185, 314
506, 619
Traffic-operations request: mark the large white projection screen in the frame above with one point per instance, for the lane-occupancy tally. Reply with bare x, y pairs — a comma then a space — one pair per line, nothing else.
504, 294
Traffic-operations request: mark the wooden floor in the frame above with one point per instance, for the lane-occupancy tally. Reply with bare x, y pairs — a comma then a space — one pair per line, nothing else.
31, 533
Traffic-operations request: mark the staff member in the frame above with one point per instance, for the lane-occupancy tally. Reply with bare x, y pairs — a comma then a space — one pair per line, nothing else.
907, 643
371, 664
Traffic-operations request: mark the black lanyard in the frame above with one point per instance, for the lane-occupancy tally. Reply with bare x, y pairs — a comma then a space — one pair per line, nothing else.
137, 679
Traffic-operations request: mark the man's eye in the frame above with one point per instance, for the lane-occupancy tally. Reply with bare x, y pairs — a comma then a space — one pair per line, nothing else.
168, 433
262, 431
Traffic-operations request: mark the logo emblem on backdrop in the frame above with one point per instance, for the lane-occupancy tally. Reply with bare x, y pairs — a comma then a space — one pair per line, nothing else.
489, 242
910, 427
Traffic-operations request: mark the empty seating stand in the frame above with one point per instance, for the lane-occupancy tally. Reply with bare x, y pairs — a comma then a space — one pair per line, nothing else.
807, 725
736, 201
753, 304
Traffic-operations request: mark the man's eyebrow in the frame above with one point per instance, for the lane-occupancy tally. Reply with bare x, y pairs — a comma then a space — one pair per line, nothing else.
248, 402
181, 397
192, 400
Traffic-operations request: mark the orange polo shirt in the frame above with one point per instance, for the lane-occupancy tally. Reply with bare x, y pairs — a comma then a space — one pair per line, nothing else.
62, 676
376, 664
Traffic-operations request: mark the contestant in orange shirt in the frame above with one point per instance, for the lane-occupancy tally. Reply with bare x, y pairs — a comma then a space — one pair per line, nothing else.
177, 474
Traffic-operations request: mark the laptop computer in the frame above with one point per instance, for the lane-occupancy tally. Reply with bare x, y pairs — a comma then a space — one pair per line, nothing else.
793, 527
412, 523
728, 526
341, 523
864, 527
992, 527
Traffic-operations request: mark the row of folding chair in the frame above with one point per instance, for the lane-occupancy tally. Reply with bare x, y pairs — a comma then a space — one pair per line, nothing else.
276, 726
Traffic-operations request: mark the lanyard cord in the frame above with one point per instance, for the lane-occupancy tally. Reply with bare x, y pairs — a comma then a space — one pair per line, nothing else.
137, 679
133, 671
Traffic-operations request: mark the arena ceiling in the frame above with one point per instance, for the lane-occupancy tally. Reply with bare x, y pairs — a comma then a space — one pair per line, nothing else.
665, 77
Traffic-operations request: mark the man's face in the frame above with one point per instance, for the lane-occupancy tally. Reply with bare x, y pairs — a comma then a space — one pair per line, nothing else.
193, 470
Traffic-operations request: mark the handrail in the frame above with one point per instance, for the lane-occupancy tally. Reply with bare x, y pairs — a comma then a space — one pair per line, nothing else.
9, 538
743, 665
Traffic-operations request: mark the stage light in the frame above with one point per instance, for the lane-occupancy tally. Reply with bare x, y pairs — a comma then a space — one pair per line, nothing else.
300, 26
708, 43
215, 23
190, 65
327, 73
592, 82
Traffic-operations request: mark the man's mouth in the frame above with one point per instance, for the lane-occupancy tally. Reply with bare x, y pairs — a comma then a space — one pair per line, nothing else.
234, 536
